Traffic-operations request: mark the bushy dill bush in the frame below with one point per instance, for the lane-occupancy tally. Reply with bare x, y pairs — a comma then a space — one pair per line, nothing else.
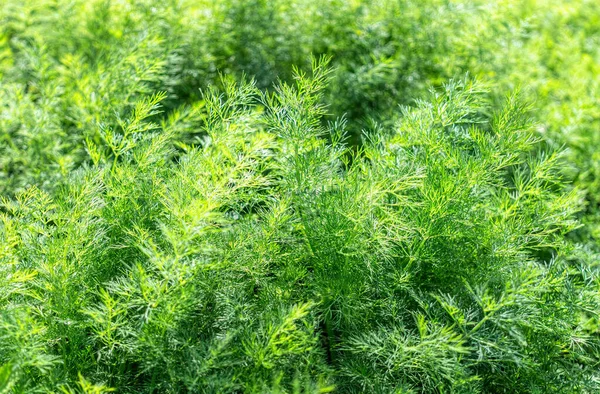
191, 205
261, 261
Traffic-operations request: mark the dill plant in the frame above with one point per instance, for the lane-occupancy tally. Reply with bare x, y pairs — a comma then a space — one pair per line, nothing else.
263, 261
183, 210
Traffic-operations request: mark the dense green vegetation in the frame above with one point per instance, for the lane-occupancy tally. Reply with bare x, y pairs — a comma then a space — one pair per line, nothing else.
293, 196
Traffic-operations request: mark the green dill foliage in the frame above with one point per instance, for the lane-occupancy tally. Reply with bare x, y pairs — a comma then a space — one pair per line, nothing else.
261, 261
299, 197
